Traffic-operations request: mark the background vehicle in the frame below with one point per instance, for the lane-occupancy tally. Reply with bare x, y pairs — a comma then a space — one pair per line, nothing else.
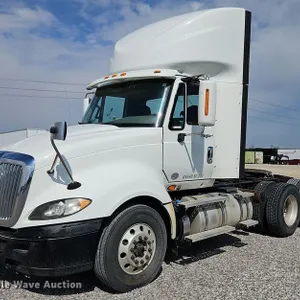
280, 159
157, 161
294, 162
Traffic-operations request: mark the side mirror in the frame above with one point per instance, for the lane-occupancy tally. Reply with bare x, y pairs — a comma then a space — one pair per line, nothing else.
59, 131
207, 103
86, 103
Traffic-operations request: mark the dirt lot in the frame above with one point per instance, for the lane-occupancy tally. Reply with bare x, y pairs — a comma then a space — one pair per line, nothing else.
293, 171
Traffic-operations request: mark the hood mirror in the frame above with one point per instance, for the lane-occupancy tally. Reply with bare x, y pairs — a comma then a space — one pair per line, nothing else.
59, 132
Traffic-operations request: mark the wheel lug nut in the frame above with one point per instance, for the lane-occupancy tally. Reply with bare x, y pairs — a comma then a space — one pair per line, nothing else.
136, 262
140, 238
149, 243
142, 262
145, 238
135, 242
132, 249
132, 257
147, 257
150, 250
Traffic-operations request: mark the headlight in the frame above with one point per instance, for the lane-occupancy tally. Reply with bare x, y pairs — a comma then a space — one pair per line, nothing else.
59, 208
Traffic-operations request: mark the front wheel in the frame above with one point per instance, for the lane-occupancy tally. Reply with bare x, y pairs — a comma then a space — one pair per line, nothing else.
131, 249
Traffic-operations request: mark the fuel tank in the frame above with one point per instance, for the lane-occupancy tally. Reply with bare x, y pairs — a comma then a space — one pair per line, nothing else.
230, 210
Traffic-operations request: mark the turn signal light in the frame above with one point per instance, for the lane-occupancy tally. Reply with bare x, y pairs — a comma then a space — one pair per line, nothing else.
83, 203
172, 188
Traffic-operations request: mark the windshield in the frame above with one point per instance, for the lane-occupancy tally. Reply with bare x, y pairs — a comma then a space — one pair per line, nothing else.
130, 103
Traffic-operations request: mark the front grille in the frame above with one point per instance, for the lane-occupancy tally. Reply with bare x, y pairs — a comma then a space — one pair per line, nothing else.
10, 179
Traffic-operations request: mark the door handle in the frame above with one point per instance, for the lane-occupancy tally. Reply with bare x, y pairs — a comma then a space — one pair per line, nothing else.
210, 155
180, 137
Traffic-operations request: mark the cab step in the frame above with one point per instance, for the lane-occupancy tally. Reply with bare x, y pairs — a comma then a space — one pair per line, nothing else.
209, 233
247, 224
202, 201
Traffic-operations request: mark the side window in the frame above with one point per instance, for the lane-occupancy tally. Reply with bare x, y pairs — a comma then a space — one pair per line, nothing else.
113, 108
177, 115
192, 105
94, 110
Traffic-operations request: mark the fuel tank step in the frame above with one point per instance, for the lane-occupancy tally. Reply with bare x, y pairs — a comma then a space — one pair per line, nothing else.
209, 233
202, 201
247, 224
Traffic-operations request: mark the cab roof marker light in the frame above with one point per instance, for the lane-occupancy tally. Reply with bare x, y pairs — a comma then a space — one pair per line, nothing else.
123, 74
115, 75
157, 71
106, 77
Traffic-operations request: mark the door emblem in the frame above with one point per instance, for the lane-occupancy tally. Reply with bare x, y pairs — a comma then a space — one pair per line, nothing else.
174, 176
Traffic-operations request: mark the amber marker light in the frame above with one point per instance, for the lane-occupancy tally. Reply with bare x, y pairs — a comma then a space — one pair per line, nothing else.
206, 108
172, 188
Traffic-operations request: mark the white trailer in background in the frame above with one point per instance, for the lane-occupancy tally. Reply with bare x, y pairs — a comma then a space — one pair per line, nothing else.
10, 137
157, 162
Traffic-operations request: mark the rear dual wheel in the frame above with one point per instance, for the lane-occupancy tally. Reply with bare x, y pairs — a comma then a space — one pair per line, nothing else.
295, 182
282, 209
259, 208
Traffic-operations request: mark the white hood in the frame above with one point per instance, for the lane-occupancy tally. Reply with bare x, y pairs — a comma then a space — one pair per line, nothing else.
81, 140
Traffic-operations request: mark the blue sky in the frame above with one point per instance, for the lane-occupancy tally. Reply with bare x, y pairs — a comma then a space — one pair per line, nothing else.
71, 41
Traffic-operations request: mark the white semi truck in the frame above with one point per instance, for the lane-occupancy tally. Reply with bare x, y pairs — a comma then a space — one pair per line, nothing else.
156, 163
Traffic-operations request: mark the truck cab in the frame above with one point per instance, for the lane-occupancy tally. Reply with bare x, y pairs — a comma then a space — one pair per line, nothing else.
166, 104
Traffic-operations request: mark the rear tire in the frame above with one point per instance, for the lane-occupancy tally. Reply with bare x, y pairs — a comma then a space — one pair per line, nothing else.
282, 209
295, 182
131, 249
259, 209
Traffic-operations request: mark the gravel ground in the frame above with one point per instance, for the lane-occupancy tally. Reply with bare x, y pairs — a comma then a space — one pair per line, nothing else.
240, 265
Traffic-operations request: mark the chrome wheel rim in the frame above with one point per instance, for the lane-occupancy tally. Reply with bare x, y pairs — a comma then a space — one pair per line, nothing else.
136, 248
290, 210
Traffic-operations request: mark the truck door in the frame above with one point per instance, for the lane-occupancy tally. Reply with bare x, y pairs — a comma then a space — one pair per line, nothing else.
191, 159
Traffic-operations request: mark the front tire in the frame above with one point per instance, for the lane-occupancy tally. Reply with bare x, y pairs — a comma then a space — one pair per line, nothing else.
131, 249
282, 210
